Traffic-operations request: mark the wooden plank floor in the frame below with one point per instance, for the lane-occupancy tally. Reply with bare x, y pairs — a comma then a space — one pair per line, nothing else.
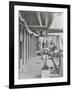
33, 68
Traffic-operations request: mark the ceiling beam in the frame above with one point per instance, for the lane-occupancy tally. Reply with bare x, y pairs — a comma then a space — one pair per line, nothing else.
39, 18
46, 20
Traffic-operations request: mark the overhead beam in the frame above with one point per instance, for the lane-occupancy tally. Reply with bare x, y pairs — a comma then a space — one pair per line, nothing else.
39, 18
31, 25
42, 28
46, 20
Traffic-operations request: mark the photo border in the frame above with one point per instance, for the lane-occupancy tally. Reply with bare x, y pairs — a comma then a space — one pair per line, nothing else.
11, 43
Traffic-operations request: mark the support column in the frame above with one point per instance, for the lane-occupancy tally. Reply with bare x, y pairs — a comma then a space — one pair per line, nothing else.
57, 40
27, 47
24, 46
21, 48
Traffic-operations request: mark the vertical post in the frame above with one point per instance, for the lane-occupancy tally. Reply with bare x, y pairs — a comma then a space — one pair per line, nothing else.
60, 65
57, 41
21, 51
22, 46
29, 46
26, 46
19, 48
